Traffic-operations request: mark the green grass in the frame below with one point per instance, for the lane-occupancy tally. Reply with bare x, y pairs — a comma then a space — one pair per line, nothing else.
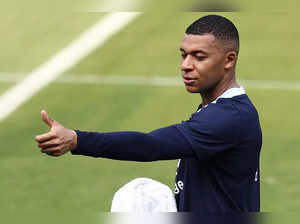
32, 182
4, 87
133, 108
28, 39
266, 47
279, 163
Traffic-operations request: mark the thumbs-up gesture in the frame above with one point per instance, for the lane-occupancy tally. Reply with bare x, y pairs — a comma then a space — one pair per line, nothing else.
58, 140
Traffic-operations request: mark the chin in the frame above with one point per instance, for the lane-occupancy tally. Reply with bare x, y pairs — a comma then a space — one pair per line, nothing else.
192, 89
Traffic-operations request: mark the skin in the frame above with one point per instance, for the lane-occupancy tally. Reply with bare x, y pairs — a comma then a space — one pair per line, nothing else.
58, 141
207, 66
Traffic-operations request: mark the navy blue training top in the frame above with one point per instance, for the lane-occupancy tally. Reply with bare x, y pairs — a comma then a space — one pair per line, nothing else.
218, 148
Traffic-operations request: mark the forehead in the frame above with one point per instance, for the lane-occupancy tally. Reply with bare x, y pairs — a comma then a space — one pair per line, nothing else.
206, 42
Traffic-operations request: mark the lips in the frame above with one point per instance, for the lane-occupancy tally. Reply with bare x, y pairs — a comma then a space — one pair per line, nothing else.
188, 80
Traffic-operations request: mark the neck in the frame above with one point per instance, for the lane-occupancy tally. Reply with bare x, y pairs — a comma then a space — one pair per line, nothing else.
217, 91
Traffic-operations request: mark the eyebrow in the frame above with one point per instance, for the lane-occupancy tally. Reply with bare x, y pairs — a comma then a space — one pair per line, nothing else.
195, 51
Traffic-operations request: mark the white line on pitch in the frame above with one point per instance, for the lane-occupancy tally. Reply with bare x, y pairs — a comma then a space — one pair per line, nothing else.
113, 6
92, 38
150, 81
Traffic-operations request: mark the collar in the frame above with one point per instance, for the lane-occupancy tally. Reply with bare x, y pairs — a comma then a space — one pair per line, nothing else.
229, 93
232, 92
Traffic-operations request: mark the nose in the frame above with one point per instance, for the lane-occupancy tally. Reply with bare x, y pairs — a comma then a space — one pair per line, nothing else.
187, 64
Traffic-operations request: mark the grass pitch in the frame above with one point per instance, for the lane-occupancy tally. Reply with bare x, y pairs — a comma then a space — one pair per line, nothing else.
34, 183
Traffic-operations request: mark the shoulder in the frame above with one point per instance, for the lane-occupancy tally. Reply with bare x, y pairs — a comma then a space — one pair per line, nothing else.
219, 116
214, 128
243, 106
224, 117
221, 126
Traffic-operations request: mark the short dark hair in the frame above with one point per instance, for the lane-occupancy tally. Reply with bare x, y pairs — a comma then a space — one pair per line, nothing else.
220, 27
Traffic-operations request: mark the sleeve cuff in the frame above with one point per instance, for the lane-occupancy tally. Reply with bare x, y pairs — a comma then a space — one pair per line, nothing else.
78, 150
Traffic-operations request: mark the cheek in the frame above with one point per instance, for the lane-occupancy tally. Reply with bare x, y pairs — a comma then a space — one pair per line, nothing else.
204, 69
208, 69
208, 75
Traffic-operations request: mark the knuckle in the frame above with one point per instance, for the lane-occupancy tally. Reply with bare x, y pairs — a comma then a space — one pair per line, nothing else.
52, 133
61, 140
38, 140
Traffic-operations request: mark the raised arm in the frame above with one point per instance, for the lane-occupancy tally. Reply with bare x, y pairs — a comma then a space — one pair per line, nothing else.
161, 144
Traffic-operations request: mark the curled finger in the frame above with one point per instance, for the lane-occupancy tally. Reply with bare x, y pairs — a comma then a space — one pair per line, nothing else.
53, 154
45, 137
49, 144
51, 150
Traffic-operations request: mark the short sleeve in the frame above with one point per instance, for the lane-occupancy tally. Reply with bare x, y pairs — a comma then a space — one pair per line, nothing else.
212, 130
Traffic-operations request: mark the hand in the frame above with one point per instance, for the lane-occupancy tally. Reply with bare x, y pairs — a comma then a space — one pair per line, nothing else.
58, 140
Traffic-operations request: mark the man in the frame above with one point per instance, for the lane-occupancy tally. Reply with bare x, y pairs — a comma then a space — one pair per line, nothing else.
218, 146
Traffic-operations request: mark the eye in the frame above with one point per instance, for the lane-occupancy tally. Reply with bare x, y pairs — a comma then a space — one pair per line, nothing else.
183, 56
201, 58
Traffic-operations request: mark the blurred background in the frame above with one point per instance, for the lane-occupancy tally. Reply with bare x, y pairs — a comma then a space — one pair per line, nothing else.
87, 96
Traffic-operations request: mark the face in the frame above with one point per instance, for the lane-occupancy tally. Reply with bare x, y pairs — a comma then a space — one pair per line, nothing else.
203, 62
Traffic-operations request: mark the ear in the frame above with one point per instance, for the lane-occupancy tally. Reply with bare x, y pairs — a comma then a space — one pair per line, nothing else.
230, 60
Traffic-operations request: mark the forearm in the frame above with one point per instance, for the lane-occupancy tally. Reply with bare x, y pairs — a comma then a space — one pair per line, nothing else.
162, 144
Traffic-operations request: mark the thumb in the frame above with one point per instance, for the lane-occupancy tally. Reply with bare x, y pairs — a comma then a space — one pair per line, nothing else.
48, 120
